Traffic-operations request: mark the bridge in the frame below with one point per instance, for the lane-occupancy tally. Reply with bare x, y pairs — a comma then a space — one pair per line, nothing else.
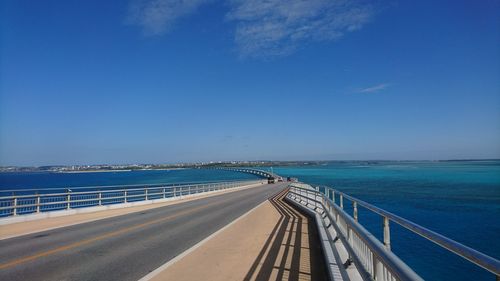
238, 230
261, 173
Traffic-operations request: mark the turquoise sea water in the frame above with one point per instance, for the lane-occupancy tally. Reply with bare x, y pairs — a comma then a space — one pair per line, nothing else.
459, 199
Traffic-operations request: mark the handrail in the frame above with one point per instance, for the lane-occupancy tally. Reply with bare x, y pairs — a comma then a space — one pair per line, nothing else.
111, 186
146, 187
489, 263
480, 259
382, 259
36, 203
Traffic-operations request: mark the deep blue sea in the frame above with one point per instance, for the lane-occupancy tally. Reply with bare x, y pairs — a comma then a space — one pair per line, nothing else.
458, 199
42, 180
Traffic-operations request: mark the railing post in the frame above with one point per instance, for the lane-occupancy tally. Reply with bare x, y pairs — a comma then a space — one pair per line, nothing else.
38, 203
349, 236
337, 215
307, 197
316, 197
164, 193
331, 209
14, 207
355, 211
125, 196
327, 203
146, 191
68, 199
333, 196
378, 268
189, 190
341, 199
387, 234
350, 242
100, 198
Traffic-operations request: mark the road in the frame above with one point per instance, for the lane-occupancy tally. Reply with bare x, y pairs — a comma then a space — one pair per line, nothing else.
125, 247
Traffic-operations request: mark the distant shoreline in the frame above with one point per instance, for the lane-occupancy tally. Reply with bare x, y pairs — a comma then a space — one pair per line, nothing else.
105, 168
111, 171
88, 171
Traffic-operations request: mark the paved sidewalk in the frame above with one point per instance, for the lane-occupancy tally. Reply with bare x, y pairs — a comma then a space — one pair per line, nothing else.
273, 242
22, 228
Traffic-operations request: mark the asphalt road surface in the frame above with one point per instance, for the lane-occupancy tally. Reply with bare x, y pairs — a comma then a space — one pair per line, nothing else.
125, 247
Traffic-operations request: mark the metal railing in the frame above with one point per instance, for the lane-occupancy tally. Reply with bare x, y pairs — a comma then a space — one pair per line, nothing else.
14, 205
374, 258
47, 190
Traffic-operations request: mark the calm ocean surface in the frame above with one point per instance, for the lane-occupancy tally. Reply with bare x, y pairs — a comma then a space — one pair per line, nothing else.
68, 180
458, 199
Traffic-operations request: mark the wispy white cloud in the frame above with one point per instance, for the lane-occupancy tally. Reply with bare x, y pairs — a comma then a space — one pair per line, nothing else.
375, 88
277, 27
264, 28
157, 16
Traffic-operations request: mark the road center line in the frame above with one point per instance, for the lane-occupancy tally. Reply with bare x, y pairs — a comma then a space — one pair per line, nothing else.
101, 237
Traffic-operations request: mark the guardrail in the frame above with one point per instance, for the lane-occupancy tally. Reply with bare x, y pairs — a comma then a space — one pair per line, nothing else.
47, 190
374, 258
35, 203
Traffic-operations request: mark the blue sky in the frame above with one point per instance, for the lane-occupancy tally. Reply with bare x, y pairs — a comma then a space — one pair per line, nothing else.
161, 81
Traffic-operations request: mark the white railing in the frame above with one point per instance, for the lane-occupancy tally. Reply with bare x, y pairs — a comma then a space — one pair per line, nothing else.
373, 258
19, 203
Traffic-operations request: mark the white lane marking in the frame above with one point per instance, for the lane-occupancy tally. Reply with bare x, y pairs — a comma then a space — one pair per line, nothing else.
163, 267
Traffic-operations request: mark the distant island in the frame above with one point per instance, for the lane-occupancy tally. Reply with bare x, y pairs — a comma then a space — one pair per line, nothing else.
199, 165
137, 167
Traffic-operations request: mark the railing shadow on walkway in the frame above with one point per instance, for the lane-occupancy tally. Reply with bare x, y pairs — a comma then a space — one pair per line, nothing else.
292, 251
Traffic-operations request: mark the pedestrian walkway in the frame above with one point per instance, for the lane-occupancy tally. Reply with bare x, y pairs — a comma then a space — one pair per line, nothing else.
273, 242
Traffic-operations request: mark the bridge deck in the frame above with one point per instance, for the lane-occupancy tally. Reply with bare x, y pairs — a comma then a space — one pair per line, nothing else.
23, 228
273, 242
125, 247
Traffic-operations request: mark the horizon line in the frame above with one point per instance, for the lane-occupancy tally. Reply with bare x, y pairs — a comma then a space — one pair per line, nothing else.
251, 161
